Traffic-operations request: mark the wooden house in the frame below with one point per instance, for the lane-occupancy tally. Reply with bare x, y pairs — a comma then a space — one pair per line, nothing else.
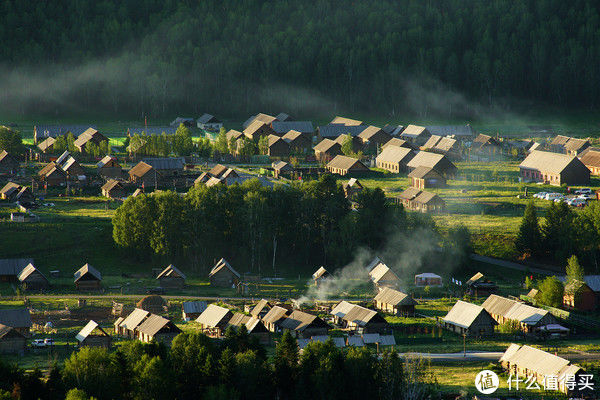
579, 296
213, 321
529, 318
320, 275
486, 147
224, 275
128, 325
417, 200
191, 310
344, 165
260, 117
480, 285
281, 168
373, 138
9, 191
109, 168
53, 175
553, 168
185, 121
352, 188
8, 164
90, 135
399, 143
395, 302
47, 146
158, 329
327, 150
88, 278
426, 177
394, 158
305, 325
258, 129
261, 309
166, 166
382, 276
428, 279
31, 278
254, 326
415, 134
42, 132
557, 145
469, 319
436, 161
71, 166
17, 318
356, 142
218, 170
92, 335
113, 189
298, 142
463, 133
209, 122
305, 128
142, 174
339, 311
10, 268
575, 147
11, 340
152, 303
277, 147
591, 159
171, 278
273, 318
364, 320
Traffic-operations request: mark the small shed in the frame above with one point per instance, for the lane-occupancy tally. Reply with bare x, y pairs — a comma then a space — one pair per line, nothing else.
352, 188
428, 279
223, 275
320, 275
152, 303
113, 189
88, 278
579, 296
382, 276
469, 319
191, 310
171, 278
92, 335
395, 302
281, 168
11, 340
32, 279
157, 328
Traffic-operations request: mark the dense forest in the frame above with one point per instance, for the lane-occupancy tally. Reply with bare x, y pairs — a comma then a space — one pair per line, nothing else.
236, 368
249, 225
232, 58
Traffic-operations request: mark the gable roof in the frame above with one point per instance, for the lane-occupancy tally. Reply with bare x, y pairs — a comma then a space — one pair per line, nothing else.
221, 264
445, 144
320, 273
299, 321
260, 118
134, 319
429, 159
16, 318
87, 269
46, 144
512, 309
576, 144
217, 170
214, 315
394, 297
547, 161
273, 139
194, 307
409, 193
88, 329
395, 154
154, 324
171, 272
380, 270
111, 184
346, 163
341, 309
254, 127
543, 363
560, 140
422, 172
591, 158
414, 131
361, 315
105, 160
27, 271
326, 145
345, 121
282, 127
10, 188
275, 314
261, 305
7, 332
371, 131
451, 130
428, 197
282, 166
165, 163
463, 314
207, 118
432, 141
140, 169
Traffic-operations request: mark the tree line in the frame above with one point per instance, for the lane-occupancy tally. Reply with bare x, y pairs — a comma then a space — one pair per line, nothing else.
11, 141
236, 368
162, 57
299, 226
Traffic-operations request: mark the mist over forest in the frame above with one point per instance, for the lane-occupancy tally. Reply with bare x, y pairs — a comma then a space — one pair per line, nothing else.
454, 58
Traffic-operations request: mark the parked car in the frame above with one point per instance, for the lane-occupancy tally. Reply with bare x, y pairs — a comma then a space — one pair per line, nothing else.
38, 343
49, 342
577, 202
584, 191
540, 195
587, 196
560, 199
552, 196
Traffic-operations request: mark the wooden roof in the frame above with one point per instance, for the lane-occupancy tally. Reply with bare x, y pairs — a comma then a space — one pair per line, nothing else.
87, 330
15, 318
345, 121
87, 269
154, 324
223, 264
171, 272
463, 314
214, 315
395, 154
547, 161
346, 163
134, 319
394, 297
299, 321
326, 145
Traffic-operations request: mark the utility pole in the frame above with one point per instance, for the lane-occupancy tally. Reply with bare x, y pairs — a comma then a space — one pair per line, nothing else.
464, 345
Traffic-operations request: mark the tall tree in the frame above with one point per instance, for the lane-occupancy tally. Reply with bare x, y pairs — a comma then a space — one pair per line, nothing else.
529, 237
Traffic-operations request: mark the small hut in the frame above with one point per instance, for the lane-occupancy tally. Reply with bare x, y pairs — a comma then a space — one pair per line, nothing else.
480, 285
88, 278
157, 328
171, 278
224, 275
113, 189
153, 304
32, 279
395, 302
191, 310
11, 340
320, 275
92, 335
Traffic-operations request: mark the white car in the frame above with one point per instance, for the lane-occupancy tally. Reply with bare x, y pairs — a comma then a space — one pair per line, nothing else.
584, 191
540, 195
587, 196
552, 196
560, 199
577, 202
38, 343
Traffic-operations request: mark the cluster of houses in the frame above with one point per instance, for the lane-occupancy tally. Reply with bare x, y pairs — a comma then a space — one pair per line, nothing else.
146, 326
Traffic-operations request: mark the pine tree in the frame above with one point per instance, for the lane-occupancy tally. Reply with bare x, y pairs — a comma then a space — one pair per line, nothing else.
574, 270
529, 236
